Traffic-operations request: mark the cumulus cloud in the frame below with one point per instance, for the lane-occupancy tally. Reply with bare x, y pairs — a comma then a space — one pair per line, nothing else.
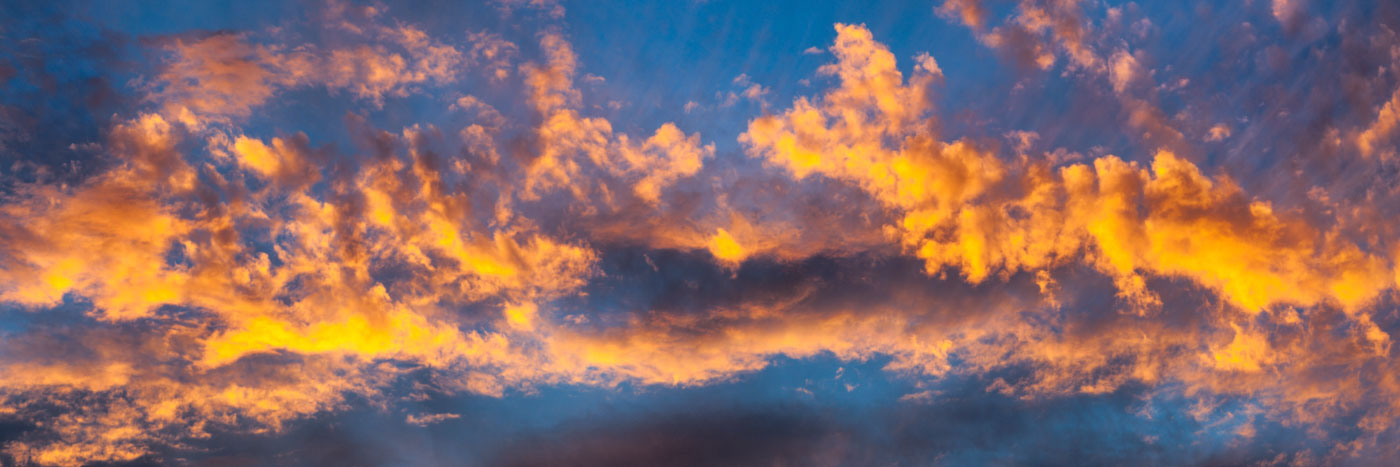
569, 142
1372, 140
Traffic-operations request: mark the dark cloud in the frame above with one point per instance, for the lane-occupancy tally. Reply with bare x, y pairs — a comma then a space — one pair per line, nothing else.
716, 436
62, 80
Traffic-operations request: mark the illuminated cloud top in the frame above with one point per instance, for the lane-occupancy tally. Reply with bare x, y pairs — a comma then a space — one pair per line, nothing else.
733, 233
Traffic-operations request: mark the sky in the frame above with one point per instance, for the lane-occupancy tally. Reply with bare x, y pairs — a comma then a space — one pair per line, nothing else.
546, 232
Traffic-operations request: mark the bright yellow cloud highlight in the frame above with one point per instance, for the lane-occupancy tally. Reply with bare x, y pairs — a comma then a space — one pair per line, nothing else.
725, 248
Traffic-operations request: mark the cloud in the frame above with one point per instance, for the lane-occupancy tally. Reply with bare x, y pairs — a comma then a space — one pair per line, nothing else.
1371, 140
551, 8
722, 437
953, 217
1218, 132
569, 141
224, 76
429, 419
1125, 70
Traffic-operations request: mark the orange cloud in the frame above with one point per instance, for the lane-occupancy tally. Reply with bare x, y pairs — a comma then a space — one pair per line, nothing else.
225, 76
567, 139
1371, 140
1171, 220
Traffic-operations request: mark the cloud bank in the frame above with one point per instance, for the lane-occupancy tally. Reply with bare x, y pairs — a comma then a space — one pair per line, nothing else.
217, 272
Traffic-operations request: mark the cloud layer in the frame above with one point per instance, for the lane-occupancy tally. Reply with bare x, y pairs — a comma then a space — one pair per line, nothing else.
270, 230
